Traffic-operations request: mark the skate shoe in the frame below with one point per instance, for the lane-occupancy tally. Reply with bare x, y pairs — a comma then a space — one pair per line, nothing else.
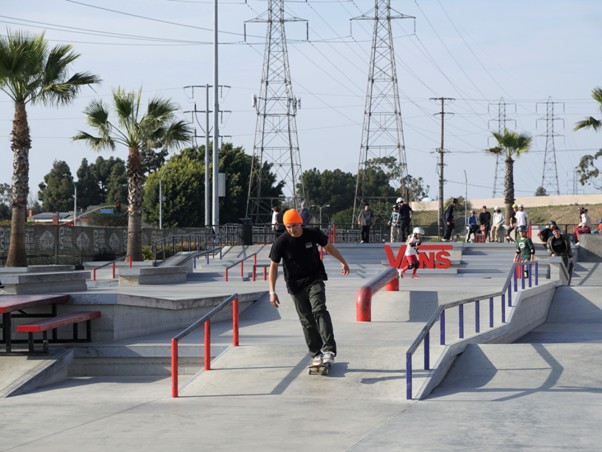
317, 360
328, 357
415, 277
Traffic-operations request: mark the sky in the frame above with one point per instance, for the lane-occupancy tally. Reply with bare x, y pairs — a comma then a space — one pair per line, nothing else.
479, 53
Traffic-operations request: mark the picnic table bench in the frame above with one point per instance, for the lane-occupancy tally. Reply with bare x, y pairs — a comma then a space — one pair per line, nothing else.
15, 306
71, 318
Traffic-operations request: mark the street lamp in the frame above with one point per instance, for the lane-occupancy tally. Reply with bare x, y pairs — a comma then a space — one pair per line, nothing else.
161, 199
320, 208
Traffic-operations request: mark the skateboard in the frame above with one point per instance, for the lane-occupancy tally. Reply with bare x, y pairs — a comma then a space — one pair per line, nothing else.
318, 369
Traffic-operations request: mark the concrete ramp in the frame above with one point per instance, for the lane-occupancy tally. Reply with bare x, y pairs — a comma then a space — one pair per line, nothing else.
373, 373
501, 372
24, 373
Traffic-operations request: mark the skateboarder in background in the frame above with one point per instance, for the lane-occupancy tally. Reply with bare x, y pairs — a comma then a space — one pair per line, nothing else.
304, 275
525, 249
411, 253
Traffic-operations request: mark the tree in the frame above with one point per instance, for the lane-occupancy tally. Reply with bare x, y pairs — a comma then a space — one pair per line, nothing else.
587, 169
117, 187
183, 190
88, 187
415, 188
510, 144
56, 192
157, 128
334, 188
32, 73
540, 191
4, 202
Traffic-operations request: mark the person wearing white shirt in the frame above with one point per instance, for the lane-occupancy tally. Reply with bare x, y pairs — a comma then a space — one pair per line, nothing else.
521, 216
497, 224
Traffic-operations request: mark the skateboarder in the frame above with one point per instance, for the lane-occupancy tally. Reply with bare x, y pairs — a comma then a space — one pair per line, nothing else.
411, 253
525, 249
304, 275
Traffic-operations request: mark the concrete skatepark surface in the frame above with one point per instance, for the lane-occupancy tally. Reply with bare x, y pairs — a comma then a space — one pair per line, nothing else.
542, 393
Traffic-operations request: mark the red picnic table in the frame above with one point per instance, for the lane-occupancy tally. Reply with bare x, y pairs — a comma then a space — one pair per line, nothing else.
15, 305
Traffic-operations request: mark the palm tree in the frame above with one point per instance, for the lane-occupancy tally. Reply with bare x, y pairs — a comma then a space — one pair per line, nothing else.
587, 170
156, 129
32, 73
510, 144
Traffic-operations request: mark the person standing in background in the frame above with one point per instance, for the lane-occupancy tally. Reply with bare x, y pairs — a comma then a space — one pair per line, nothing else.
304, 212
405, 218
365, 219
449, 220
498, 223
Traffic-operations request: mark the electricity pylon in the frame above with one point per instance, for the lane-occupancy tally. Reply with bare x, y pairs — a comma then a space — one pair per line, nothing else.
276, 141
382, 133
549, 178
502, 120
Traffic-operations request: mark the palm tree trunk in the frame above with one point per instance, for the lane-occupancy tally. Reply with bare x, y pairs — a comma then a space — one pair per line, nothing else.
135, 192
509, 188
20, 145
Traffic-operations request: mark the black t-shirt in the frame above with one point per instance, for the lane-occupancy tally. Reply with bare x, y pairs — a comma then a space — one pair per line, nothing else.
545, 234
559, 245
404, 212
301, 258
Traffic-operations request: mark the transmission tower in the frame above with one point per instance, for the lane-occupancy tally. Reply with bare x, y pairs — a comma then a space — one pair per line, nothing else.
276, 142
502, 120
549, 178
382, 133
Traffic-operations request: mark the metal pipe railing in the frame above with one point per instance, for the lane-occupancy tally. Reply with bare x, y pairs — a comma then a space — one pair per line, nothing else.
363, 304
439, 316
206, 322
242, 265
113, 263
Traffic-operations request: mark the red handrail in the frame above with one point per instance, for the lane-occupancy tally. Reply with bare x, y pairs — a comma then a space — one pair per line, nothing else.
363, 304
113, 264
242, 265
206, 322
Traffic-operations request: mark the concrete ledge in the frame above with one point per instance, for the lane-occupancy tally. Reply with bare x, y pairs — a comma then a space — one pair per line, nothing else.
125, 316
530, 311
590, 248
152, 275
35, 283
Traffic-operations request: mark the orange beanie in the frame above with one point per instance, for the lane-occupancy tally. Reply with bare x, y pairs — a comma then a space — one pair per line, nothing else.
292, 216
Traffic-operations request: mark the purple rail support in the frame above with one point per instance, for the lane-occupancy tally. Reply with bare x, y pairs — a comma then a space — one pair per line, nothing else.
515, 279
503, 309
536, 273
530, 274
461, 321
490, 312
477, 315
509, 296
409, 376
442, 328
427, 351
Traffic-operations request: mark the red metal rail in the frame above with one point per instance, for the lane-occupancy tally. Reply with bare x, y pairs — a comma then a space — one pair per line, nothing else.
242, 265
206, 322
363, 304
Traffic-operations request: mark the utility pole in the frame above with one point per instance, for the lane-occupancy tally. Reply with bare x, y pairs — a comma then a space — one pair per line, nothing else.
207, 135
382, 132
549, 177
441, 151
